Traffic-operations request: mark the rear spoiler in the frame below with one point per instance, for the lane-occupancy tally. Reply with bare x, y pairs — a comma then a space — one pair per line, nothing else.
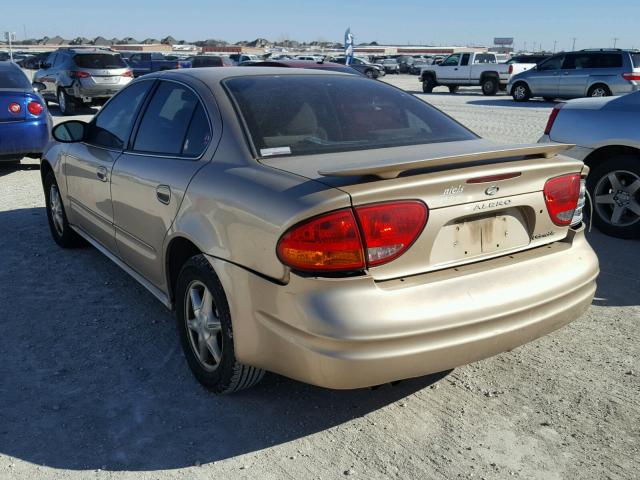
388, 169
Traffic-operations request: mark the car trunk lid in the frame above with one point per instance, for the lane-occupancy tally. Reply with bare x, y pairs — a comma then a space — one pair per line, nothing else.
484, 200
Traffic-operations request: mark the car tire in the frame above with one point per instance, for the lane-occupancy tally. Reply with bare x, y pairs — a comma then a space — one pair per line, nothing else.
502, 87
520, 92
428, 84
453, 89
207, 336
616, 207
370, 73
490, 86
66, 103
61, 232
599, 90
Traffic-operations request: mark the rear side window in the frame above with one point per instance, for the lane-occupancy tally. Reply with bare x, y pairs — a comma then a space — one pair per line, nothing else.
112, 125
307, 114
484, 58
609, 60
13, 78
635, 58
165, 126
99, 60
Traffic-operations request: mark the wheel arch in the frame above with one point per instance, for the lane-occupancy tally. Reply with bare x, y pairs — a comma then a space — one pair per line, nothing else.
178, 251
428, 74
490, 74
602, 154
596, 83
45, 169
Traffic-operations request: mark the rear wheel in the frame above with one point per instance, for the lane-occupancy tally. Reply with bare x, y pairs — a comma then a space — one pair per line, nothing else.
614, 186
599, 90
370, 73
520, 92
61, 232
66, 103
453, 89
490, 86
428, 84
206, 334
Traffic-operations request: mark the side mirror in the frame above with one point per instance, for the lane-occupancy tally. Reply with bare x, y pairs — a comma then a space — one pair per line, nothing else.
38, 86
71, 131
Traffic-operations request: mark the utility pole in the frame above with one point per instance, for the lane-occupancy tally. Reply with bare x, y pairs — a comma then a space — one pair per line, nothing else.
555, 42
573, 49
525, 46
615, 41
10, 36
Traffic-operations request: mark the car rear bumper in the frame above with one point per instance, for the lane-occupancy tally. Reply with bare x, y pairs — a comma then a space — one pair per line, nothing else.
95, 91
23, 138
351, 333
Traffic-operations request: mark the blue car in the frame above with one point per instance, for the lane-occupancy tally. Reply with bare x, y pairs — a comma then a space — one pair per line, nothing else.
25, 123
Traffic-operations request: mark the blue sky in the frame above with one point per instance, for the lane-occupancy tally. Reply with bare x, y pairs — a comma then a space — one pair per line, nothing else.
594, 23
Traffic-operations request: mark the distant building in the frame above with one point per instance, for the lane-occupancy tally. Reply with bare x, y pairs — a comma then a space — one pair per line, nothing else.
101, 42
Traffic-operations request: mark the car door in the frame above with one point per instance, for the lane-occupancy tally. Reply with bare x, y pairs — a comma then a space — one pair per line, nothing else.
545, 79
448, 69
88, 164
576, 69
150, 178
46, 76
463, 72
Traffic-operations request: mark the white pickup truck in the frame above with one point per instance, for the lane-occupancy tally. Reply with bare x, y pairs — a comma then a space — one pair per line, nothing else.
466, 69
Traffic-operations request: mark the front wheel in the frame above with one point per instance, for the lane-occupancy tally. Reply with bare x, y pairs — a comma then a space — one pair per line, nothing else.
61, 232
453, 89
370, 74
490, 86
614, 187
520, 92
206, 334
66, 103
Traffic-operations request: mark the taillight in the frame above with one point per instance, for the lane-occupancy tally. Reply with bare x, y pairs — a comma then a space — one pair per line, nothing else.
561, 194
35, 108
326, 243
337, 242
128, 74
631, 76
389, 229
582, 199
15, 107
79, 74
510, 69
552, 118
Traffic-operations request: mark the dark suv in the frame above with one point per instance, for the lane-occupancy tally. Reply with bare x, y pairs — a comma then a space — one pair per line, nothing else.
82, 76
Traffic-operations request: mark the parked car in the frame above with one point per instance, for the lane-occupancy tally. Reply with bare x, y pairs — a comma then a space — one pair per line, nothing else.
332, 229
33, 62
605, 132
590, 73
312, 58
418, 64
24, 120
82, 76
199, 61
522, 63
466, 69
390, 65
142, 63
329, 66
368, 69
241, 57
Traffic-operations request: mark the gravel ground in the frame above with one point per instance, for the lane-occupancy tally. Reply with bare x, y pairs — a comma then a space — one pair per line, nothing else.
93, 383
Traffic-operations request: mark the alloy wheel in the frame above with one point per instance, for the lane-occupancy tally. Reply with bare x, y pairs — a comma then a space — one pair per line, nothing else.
55, 204
520, 92
203, 325
617, 198
599, 92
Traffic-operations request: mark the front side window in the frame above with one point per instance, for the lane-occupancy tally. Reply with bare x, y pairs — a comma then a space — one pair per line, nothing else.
111, 127
451, 61
554, 63
299, 115
166, 125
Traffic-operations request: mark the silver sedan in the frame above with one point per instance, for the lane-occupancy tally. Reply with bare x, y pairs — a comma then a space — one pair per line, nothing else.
605, 132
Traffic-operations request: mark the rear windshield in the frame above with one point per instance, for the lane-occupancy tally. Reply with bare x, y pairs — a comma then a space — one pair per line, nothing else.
207, 62
304, 114
13, 78
99, 60
635, 58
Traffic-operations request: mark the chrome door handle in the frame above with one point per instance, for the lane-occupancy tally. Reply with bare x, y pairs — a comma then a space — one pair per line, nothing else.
101, 173
163, 194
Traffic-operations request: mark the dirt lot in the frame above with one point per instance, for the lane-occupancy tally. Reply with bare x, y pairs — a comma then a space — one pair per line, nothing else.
93, 383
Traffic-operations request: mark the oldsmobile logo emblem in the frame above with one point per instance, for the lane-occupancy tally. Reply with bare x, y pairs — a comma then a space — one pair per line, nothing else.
492, 190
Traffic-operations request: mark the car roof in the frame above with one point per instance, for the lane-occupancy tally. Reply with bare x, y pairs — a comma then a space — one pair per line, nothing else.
216, 75
6, 65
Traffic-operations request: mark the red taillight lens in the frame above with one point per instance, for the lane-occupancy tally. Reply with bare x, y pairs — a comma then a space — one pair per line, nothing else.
330, 242
561, 196
389, 229
552, 118
128, 73
631, 76
35, 108
79, 74
510, 69
15, 107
